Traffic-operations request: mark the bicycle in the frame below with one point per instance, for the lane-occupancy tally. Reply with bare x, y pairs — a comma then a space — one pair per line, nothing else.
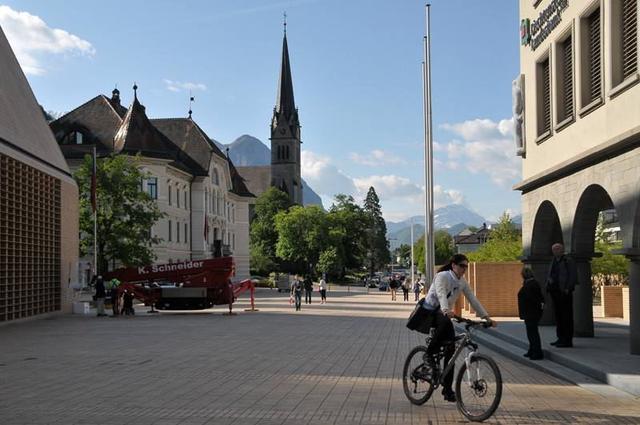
483, 383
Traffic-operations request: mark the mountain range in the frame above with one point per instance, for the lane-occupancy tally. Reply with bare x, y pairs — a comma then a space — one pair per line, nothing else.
453, 218
247, 150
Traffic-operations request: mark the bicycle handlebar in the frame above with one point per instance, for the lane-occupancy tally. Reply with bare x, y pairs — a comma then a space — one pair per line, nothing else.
470, 322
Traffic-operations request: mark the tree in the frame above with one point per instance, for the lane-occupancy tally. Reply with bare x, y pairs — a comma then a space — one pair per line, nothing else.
330, 263
347, 232
504, 244
263, 234
404, 253
303, 234
377, 246
444, 249
125, 214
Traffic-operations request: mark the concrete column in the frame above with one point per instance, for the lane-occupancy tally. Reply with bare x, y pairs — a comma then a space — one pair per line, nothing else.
583, 299
634, 304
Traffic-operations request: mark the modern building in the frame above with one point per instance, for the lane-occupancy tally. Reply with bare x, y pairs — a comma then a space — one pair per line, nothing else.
38, 204
577, 115
285, 170
196, 186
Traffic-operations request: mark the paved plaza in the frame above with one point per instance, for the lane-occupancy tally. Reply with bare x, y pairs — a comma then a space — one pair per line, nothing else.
339, 363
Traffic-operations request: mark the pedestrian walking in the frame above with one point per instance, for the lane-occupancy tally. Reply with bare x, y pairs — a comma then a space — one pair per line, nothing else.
308, 289
101, 294
296, 291
393, 285
561, 281
115, 296
417, 288
127, 303
530, 305
406, 286
322, 287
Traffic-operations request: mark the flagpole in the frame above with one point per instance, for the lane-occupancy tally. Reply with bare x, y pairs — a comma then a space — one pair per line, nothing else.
412, 277
95, 213
428, 152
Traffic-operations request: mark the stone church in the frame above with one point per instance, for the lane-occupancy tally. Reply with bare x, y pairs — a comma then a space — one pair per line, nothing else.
284, 171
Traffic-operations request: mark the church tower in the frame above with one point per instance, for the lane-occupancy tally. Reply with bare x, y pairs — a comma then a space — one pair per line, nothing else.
285, 134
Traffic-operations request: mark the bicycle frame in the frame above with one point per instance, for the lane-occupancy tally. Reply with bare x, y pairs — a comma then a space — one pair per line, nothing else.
465, 342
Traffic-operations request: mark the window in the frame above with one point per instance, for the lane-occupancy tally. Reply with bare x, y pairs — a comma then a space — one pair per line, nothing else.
178, 197
177, 232
543, 79
170, 229
79, 138
170, 189
186, 233
152, 187
564, 81
591, 60
624, 42
186, 204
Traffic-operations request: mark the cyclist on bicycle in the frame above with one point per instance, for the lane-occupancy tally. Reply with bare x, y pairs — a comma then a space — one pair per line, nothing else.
447, 285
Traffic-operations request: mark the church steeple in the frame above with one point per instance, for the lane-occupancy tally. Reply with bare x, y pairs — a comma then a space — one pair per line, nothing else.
285, 104
285, 133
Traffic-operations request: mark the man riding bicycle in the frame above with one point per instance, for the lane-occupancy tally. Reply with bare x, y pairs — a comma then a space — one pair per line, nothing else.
447, 285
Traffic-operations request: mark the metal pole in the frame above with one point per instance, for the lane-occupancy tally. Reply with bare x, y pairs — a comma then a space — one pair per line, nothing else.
412, 251
428, 152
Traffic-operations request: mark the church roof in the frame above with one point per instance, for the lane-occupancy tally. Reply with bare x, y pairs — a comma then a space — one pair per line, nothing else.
22, 124
256, 178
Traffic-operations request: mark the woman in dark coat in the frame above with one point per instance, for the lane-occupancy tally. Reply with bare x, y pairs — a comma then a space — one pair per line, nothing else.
530, 304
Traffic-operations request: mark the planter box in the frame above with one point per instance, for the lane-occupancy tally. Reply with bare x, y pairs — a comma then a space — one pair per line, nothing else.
612, 301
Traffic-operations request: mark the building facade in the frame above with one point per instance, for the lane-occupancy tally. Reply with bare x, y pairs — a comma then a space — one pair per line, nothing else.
577, 115
285, 169
38, 204
195, 185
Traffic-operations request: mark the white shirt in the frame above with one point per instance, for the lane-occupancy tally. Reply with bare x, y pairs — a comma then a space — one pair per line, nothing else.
322, 285
445, 291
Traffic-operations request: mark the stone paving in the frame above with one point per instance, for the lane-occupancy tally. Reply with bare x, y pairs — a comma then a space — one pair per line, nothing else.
338, 363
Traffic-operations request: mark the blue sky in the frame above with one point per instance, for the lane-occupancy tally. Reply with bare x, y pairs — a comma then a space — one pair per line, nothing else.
356, 74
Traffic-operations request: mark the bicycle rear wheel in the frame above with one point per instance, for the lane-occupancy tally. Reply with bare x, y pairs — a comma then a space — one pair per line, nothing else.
417, 376
479, 389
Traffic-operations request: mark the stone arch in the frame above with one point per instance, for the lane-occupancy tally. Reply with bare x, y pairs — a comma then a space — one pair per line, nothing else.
593, 200
546, 230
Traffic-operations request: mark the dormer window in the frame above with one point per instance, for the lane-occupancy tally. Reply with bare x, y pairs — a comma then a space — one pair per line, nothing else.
215, 177
73, 138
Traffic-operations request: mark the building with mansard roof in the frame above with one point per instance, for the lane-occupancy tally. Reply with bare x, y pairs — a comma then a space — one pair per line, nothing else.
285, 170
205, 200
38, 204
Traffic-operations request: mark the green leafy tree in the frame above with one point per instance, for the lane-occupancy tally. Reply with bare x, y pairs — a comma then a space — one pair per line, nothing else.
443, 244
125, 214
504, 244
330, 263
347, 232
263, 233
404, 253
303, 234
377, 245
610, 268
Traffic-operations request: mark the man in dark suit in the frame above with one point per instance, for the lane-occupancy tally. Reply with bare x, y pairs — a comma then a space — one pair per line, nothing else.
561, 281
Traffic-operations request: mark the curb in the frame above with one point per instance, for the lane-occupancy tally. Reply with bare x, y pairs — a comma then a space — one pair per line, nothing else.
555, 365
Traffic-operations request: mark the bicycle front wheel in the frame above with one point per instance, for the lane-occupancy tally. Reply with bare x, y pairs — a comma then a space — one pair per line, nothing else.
479, 388
417, 376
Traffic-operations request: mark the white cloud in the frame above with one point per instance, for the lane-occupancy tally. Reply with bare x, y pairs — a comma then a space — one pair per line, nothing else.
31, 38
377, 157
389, 187
324, 177
177, 86
486, 147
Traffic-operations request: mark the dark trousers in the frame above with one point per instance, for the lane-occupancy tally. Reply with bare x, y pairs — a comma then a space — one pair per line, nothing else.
405, 291
298, 297
535, 347
444, 333
114, 305
323, 294
563, 308
307, 296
